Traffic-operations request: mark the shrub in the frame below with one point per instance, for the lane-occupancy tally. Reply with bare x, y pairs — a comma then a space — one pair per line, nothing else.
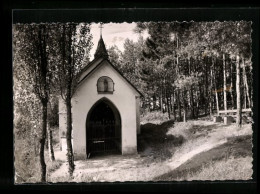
154, 117
26, 163
53, 166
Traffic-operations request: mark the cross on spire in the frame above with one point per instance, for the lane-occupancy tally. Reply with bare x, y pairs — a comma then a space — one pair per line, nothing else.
101, 26
101, 48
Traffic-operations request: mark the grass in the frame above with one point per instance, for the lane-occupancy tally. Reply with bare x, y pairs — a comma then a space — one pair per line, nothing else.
198, 133
155, 142
61, 179
29, 170
34, 171
229, 169
163, 142
171, 140
155, 117
211, 164
53, 165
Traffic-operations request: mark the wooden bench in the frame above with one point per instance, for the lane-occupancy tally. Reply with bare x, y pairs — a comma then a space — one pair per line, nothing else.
234, 111
229, 116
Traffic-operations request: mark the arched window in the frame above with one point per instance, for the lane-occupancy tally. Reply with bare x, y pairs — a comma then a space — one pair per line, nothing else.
105, 85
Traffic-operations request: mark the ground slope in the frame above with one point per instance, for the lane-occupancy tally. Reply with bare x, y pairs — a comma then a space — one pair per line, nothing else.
171, 151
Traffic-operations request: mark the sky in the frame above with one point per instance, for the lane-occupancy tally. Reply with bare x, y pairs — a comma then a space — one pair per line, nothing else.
113, 34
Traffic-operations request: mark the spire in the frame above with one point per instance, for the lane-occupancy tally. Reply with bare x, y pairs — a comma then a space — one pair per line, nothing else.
101, 48
101, 26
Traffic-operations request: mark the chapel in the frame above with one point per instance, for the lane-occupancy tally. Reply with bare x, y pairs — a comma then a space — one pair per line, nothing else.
105, 110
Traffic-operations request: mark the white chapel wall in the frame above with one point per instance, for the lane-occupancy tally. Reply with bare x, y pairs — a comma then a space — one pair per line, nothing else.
137, 105
63, 125
123, 98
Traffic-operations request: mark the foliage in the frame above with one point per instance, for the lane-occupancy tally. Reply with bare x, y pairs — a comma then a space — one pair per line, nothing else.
32, 48
179, 67
184, 61
26, 164
31, 42
37, 52
53, 111
72, 46
115, 56
26, 133
154, 117
53, 165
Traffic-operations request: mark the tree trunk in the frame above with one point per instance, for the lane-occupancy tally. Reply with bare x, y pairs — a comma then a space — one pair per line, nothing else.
50, 147
192, 103
206, 86
70, 156
160, 102
210, 95
161, 99
200, 100
184, 106
47, 139
231, 86
191, 91
43, 139
178, 104
170, 100
154, 102
215, 87
244, 90
225, 82
239, 120
178, 90
245, 83
217, 104
150, 103
197, 105
173, 105
168, 104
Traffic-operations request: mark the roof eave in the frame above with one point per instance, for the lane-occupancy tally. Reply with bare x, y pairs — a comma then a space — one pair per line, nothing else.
114, 68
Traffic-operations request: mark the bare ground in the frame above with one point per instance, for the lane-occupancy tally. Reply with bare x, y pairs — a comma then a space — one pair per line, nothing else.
166, 152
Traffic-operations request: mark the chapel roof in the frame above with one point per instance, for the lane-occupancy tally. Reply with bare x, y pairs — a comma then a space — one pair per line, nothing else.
100, 56
101, 49
120, 73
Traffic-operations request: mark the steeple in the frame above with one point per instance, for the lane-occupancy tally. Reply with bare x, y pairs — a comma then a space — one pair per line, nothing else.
101, 48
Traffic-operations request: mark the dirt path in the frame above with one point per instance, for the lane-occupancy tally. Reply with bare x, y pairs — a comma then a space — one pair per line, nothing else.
127, 168
210, 136
143, 167
113, 168
178, 159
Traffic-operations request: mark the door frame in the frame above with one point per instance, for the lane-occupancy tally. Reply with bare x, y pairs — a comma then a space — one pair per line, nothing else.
117, 116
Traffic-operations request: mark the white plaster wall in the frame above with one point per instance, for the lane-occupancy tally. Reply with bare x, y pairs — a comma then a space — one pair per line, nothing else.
63, 126
138, 115
124, 98
63, 144
62, 122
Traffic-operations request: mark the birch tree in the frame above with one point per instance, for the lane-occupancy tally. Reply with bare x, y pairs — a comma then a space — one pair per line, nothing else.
73, 43
32, 50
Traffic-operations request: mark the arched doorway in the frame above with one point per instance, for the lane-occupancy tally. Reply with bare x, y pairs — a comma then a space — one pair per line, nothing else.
103, 129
